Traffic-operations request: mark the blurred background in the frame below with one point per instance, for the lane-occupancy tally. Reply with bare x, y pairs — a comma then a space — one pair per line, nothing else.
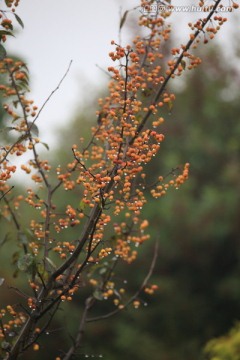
197, 226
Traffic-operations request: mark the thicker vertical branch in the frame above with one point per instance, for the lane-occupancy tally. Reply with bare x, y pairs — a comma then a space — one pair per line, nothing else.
77, 343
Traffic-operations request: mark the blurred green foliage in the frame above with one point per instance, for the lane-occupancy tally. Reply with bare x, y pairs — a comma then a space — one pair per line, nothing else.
197, 228
225, 347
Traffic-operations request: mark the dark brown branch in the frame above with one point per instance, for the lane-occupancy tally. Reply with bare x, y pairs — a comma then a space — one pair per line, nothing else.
77, 343
4, 194
44, 328
93, 219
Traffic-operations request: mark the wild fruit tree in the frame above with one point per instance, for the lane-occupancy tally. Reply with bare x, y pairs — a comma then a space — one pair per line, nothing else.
107, 172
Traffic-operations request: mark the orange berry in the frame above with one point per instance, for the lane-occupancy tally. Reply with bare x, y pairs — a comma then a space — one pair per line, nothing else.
35, 347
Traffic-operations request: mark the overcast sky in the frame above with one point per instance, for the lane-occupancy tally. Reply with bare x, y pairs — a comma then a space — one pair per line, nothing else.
58, 31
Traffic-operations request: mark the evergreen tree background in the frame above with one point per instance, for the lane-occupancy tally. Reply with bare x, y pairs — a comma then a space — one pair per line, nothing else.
197, 229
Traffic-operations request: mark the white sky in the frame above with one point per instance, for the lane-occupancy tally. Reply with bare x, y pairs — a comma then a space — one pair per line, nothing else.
57, 31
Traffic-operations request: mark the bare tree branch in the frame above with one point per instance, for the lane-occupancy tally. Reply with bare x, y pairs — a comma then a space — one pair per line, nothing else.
52, 93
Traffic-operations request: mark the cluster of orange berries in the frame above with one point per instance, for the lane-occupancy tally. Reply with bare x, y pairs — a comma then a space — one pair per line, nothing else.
6, 172
15, 89
151, 289
33, 286
15, 68
67, 294
35, 247
161, 188
33, 200
120, 52
125, 238
31, 303
104, 252
118, 125
12, 3
136, 304
17, 319
6, 23
209, 31
72, 219
233, 4
71, 212
64, 248
124, 251
108, 290
64, 178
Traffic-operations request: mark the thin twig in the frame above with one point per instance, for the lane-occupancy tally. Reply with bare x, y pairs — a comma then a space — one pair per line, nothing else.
91, 140
4, 194
14, 218
135, 296
80, 163
19, 292
44, 328
12, 213
77, 343
104, 71
52, 93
